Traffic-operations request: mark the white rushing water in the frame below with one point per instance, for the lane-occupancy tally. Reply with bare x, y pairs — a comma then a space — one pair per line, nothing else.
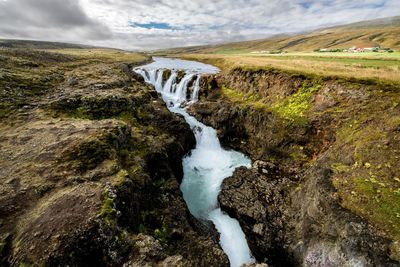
206, 166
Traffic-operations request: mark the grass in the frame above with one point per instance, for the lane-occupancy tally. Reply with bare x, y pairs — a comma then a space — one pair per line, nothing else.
365, 55
362, 61
27, 75
104, 54
386, 70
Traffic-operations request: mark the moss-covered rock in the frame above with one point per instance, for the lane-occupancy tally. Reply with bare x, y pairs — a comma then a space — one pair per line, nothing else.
91, 157
335, 143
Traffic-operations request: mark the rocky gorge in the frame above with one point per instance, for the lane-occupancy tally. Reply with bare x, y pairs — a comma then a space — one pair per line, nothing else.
325, 155
92, 165
91, 162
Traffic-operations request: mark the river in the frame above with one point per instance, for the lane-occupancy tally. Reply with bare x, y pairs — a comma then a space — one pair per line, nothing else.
208, 164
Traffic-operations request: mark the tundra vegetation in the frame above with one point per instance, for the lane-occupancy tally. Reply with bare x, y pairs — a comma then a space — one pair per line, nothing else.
305, 113
91, 157
365, 126
91, 163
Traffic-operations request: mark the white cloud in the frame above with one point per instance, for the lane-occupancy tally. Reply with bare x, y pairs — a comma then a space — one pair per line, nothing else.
62, 20
195, 22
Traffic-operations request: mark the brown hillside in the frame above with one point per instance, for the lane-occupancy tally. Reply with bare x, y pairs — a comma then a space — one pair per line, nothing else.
382, 32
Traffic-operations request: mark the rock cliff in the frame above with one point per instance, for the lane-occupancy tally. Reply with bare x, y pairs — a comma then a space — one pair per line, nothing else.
90, 166
323, 190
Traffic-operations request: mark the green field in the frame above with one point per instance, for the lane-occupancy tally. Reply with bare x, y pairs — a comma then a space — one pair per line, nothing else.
366, 66
363, 59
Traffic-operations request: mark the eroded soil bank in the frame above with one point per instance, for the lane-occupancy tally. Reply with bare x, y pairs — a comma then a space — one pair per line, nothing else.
91, 161
91, 165
324, 187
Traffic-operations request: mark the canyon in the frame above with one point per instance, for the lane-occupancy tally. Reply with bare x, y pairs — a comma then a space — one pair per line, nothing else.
206, 166
101, 168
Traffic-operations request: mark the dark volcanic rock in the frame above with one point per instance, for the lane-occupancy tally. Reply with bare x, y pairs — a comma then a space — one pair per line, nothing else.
288, 204
257, 200
90, 171
304, 226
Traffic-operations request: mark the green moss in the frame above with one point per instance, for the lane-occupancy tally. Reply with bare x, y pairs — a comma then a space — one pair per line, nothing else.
120, 178
374, 200
297, 153
340, 168
162, 234
241, 98
80, 113
149, 219
369, 186
128, 117
91, 153
108, 212
293, 107
40, 191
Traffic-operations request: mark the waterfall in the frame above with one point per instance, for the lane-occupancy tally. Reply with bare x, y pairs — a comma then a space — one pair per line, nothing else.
158, 83
144, 74
167, 89
206, 166
196, 89
152, 76
176, 93
181, 90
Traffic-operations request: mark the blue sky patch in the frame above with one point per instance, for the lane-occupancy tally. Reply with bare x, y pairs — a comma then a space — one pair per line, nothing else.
152, 25
305, 4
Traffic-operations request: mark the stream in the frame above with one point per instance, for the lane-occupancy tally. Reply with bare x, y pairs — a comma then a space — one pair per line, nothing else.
208, 164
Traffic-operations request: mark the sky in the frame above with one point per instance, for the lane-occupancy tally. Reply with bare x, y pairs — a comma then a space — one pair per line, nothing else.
156, 24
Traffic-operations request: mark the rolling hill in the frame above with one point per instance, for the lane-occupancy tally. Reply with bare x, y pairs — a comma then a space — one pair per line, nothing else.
383, 32
30, 44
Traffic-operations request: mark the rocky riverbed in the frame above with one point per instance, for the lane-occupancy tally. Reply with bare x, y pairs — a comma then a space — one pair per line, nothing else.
91, 162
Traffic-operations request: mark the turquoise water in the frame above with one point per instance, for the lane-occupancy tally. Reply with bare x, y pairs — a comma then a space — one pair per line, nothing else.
208, 164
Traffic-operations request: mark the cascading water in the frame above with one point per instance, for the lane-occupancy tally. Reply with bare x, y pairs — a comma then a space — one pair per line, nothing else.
158, 84
170, 82
196, 90
208, 164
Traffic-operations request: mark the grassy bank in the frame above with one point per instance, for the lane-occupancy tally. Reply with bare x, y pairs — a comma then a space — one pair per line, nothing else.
27, 74
358, 66
359, 113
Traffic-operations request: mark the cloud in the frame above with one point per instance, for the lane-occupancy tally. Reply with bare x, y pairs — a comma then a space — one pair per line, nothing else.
63, 20
151, 24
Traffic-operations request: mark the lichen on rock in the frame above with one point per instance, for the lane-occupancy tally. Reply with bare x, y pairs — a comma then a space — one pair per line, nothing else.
91, 157
322, 190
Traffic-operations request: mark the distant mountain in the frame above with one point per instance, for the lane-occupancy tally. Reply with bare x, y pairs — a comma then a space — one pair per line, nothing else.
383, 32
8, 43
